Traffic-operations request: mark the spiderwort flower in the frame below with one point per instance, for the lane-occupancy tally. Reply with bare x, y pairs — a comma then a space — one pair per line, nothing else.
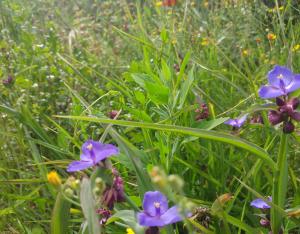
282, 81
92, 153
156, 212
238, 122
260, 203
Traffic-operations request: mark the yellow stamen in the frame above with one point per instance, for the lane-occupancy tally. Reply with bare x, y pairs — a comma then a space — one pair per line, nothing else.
90, 147
280, 76
157, 204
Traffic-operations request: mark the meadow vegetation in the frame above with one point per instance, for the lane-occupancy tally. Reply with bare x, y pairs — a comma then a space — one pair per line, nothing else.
158, 81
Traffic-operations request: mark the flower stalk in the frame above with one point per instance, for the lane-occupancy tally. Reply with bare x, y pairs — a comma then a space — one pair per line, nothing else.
280, 184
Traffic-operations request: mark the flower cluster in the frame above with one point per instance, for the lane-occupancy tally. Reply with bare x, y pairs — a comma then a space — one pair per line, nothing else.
202, 112
282, 81
114, 193
264, 206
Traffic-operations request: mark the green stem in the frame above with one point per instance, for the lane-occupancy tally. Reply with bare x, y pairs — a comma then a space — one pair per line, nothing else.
280, 184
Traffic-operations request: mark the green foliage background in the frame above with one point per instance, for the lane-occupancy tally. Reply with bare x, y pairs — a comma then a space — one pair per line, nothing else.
86, 58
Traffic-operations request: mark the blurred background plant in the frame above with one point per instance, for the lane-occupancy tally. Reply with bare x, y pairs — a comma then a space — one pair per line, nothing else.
157, 64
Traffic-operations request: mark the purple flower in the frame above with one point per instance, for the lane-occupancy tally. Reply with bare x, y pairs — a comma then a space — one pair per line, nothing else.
156, 212
238, 122
260, 203
281, 82
92, 153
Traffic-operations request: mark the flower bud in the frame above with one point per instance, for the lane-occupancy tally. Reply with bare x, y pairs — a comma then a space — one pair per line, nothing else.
296, 116
175, 182
69, 192
279, 102
112, 114
96, 191
53, 178
275, 117
288, 127
8, 81
264, 222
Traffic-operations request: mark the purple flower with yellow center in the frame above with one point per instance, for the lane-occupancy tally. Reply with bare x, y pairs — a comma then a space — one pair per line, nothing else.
92, 153
260, 203
156, 212
282, 81
238, 122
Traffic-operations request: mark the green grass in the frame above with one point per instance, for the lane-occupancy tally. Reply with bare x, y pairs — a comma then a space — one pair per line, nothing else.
74, 61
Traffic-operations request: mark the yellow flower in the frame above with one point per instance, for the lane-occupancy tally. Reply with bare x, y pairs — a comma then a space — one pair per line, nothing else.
129, 231
204, 42
296, 47
245, 52
53, 178
158, 4
271, 36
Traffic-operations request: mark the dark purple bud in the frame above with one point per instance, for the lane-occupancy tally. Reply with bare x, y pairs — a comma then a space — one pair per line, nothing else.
8, 81
114, 194
279, 101
203, 112
257, 120
289, 106
112, 114
105, 215
294, 102
275, 117
176, 67
296, 116
264, 222
288, 127
152, 230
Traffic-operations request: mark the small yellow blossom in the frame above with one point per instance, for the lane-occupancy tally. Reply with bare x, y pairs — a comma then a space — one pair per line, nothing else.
205, 41
159, 4
129, 231
271, 36
273, 10
53, 178
245, 52
296, 48
206, 4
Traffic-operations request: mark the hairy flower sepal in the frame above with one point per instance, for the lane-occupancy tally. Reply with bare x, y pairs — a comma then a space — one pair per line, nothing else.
93, 152
156, 212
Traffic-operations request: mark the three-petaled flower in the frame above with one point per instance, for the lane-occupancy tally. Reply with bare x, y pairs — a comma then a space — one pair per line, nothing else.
238, 122
156, 212
281, 82
92, 153
260, 203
